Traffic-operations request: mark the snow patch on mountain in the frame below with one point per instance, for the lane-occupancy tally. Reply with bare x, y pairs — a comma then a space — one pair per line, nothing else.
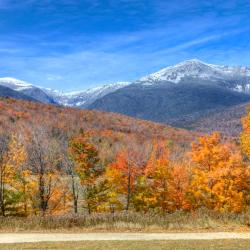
80, 98
14, 83
195, 69
234, 78
84, 97
71, 99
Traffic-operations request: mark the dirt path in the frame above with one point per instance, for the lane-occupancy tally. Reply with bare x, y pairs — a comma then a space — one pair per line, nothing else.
38, 237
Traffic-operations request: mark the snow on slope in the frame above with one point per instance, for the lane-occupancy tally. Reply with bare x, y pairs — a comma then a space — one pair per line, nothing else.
80, 98
235, 78
72, 99
14, 83
195, 69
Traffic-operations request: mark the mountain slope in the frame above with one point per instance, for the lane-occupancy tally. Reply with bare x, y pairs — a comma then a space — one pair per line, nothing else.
26, 89
227, 121
235, 78
84, 98
65, 122
72, 99
177, 105
7, 92
180, 95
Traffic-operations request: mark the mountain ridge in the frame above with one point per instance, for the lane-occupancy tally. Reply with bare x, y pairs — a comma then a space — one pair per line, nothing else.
193, 69
182, 94
52, 96
179, 95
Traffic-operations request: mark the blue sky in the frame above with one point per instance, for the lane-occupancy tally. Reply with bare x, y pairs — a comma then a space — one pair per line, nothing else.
73, 45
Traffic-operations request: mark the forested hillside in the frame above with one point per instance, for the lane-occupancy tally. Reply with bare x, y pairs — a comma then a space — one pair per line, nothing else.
56, 160
227, 121
68, 121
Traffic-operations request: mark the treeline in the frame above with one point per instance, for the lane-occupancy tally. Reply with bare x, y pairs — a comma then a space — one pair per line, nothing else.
213, 175
46, 172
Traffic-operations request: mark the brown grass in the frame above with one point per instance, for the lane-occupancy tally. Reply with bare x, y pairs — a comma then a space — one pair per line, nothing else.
136, 245
201, 220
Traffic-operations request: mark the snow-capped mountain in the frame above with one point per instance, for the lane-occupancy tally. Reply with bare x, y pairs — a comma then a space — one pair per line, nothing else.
27, 89
237, 78
83, 98
188, 89
71, 99
14, 83
180, 94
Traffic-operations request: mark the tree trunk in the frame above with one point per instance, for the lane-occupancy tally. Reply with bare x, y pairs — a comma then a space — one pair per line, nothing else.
2, 200
75, 195
43, 202
129, 192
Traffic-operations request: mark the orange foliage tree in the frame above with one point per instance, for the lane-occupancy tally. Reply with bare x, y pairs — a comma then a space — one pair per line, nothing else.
126, 172
87, 166
219, 175
158, 173
245, 135
245, 146
179, 183
167, 180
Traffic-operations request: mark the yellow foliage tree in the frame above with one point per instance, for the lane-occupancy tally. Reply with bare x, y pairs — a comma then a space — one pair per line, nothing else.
220, 176
245, 146
245, 135
16, 181
113, 178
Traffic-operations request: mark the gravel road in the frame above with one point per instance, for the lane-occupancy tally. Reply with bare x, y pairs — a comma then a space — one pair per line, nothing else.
40, 237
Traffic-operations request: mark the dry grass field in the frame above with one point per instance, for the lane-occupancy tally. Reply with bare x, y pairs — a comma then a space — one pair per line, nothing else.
201, 220
135, 245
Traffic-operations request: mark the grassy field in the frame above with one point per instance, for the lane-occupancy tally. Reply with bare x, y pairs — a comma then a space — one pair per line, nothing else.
201, 220
135, 245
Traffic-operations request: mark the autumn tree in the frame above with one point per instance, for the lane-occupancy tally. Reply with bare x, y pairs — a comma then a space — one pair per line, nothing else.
87, 166
21, 183
44, 159
245, 146
158, 172
126, 169
143, 197
220, 176
13, 186
113, 179
179, 183
74, 183
245, 135
6, 173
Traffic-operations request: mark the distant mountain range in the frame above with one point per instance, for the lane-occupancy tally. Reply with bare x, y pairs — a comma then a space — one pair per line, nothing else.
72, 99
179, 95
83, 99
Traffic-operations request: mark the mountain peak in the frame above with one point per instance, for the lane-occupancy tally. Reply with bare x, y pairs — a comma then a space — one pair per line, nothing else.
192, 61
14, 83
194, 68
84, 97
175, 73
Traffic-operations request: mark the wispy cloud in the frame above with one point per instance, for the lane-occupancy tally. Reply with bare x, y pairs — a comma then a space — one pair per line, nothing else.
74, 44
203, 40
